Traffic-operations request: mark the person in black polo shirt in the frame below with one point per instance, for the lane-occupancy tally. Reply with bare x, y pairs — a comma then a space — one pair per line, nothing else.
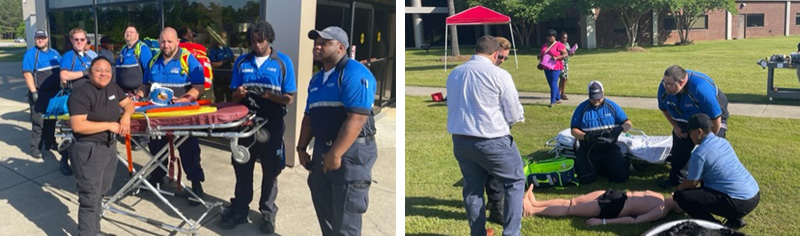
95, 120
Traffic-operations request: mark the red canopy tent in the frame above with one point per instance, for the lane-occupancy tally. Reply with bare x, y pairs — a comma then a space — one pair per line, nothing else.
478, 15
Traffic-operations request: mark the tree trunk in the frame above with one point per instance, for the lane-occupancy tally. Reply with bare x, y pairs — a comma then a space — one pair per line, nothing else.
453, 30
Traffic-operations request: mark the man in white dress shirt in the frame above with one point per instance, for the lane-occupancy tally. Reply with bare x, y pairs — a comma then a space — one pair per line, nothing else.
482, 105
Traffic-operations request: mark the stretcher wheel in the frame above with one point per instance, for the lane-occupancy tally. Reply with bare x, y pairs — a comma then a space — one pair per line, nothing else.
64, 145
241, 155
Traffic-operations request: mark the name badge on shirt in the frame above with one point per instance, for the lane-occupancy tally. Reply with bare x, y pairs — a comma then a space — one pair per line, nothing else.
272, 69
314, 89
247, 70
112, 97
175, 71
330, 84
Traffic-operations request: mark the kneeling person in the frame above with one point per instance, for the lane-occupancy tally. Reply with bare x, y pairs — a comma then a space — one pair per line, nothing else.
727, 190
596, 123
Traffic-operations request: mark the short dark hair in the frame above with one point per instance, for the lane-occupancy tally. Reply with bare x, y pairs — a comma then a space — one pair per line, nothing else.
487, 45
551, 32
563, 33
260, 31
98, 58
676, 72
182, 32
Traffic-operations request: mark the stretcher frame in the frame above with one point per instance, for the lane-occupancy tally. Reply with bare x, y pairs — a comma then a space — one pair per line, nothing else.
181, 133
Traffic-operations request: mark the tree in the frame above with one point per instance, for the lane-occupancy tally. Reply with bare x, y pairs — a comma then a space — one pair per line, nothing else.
10, 16
525, 14
630, 12
686, 13
453, 31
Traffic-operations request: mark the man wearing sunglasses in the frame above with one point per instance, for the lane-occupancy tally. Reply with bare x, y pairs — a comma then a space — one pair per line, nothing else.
505, 46
682, 94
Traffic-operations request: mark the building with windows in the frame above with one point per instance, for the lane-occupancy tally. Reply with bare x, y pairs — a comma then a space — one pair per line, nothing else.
370, 23
754, 18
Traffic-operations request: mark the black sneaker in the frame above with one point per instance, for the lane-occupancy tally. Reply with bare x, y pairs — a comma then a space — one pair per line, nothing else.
230, 219
197, 188
735, 223
668, 184
36, 154
268, 227
496, 212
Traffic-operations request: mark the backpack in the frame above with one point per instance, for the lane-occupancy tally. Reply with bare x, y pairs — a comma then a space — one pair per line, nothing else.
199, 52
557, 171
153, 44
184, 59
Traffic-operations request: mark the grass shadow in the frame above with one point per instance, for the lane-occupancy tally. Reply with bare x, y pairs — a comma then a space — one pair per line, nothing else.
432, 207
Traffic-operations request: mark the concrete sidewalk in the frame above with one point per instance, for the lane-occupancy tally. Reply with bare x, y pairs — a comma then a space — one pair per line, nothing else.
36, 199
743, 109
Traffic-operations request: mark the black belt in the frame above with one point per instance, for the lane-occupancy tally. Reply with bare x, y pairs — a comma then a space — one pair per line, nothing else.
107, 144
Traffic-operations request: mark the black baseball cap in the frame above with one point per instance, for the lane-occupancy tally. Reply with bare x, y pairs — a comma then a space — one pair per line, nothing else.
595, 90
699, 121
40, 33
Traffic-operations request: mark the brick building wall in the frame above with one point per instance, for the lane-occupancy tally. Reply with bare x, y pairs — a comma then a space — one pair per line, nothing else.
774, 25
714, 31
611, 32
793, 27
774, 16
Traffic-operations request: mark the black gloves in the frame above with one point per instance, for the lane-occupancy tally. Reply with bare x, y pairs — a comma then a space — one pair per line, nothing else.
34, 96
591, 137
616, 132
605, 136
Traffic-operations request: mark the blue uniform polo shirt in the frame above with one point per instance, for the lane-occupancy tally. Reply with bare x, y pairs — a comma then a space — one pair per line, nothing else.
46, 70
698, 95
216, 54
72, 61
715, 163
329, 102
268, 76
130, 70
606, 116
170, 75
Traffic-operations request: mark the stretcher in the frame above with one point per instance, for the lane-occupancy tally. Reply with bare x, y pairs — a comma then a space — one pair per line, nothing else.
226, 120
634, 144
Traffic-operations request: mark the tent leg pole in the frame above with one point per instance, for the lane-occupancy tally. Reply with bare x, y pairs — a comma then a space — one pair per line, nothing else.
445, 48
513, 44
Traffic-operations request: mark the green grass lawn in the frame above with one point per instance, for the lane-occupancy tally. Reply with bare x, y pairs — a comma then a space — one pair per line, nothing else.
767, 147
731, 63
11, 54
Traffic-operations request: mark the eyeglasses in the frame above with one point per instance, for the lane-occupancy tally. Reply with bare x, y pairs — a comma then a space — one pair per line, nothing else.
501, 57
79, 39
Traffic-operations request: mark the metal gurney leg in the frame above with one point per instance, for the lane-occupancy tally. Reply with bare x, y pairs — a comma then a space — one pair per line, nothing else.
181, 133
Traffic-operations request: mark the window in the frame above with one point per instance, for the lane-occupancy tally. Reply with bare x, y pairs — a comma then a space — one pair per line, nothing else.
797, 18
700, 23
62, 21
113, 20
57, 4
755, 20
231, 16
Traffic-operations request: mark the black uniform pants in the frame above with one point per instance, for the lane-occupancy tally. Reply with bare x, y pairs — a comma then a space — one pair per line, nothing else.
341, 197
94, 165
189, 154
594, 159
43, 130
700, 203
269, 149
680, 153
